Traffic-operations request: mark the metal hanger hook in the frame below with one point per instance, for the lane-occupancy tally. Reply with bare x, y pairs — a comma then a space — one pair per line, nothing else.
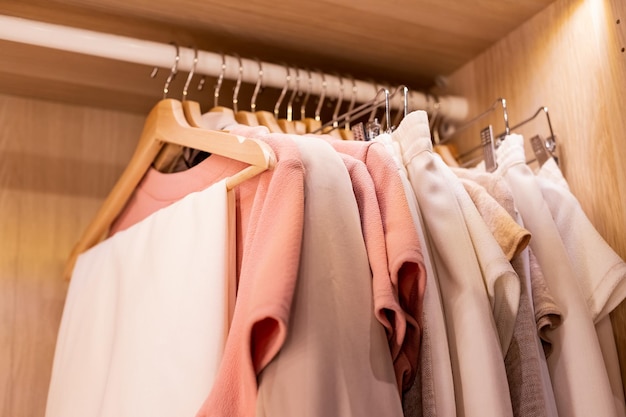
295, 92
352, 102
372, 115
318, 110
339, 101
191, 72
257, 87
237, 85
218, 84
173, 71
306, 96
283, 92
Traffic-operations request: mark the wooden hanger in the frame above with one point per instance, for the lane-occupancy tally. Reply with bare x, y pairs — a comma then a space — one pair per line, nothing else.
166, 123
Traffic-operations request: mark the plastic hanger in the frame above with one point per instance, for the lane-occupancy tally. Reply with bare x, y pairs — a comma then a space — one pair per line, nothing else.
166, 123
266, 118
247, 118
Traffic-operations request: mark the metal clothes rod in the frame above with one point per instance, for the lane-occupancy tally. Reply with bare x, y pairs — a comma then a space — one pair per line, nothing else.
162, 55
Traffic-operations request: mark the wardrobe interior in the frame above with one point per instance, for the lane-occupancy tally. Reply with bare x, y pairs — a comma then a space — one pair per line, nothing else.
69, 123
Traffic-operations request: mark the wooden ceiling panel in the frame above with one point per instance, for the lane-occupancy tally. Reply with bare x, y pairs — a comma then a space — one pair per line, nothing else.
402, 41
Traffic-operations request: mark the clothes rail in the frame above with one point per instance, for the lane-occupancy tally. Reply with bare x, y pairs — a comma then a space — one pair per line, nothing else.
162, 55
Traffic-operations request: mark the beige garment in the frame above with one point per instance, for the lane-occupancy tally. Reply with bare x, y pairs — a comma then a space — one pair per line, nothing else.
511, 237
502, 283
531, 393
335, 360
432, 392
547, 312
548, 315
480, 384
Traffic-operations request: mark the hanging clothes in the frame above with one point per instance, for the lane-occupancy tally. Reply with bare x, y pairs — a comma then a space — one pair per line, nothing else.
526, 368
334, 350
141, 322
471, 330
599, 270
432, 393
581, 387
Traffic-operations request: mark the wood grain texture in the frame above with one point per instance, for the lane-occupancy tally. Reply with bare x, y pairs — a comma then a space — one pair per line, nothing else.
57, 163
404, 42
568, 57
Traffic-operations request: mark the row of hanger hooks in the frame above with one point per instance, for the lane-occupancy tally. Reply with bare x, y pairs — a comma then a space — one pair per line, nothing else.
298, 91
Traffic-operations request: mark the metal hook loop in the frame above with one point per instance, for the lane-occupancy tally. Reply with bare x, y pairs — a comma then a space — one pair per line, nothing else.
352, 103
318, 110
218, 84
295, 91
237, 85
372, 115
257, 87
191, 72
173, 71
339, 101
283, 92
306, 96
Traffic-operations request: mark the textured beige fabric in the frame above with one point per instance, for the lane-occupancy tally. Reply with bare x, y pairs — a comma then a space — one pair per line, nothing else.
511, 237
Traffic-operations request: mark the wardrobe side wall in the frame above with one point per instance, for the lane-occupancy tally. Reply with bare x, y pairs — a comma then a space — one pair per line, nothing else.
57, 164
567, 57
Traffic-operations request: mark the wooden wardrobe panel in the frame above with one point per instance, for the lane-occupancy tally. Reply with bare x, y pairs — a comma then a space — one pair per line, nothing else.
568, 57
57, 163
406, 41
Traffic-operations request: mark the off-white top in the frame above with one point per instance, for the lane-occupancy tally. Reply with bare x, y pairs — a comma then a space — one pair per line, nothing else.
145, 319
480, 383
579, 379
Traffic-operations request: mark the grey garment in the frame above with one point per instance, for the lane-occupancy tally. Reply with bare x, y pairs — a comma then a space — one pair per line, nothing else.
531, 394
335, 360
548, 315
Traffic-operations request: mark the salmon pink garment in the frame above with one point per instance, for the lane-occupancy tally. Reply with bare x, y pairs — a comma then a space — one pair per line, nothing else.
404, 257
270, 210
